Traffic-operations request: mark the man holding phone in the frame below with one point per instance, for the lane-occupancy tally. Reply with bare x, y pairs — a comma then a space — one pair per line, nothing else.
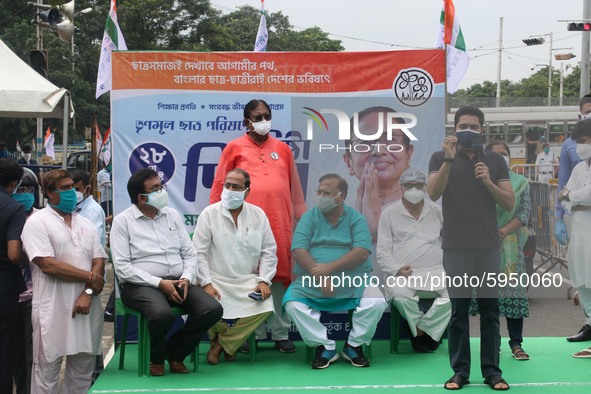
156, 264
236, 261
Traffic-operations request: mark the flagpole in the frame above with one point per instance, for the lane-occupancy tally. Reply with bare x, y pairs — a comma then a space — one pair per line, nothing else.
93, 157
445, 87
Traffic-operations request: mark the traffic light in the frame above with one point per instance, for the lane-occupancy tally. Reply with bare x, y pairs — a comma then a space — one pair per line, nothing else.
579, 26
533, 41
39, 61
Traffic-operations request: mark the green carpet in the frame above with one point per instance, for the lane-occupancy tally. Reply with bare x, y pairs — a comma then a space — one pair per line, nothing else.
551, 369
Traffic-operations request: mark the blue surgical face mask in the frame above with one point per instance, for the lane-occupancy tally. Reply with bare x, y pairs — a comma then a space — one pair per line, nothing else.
467, 138
68, 200
546, 150
27, 199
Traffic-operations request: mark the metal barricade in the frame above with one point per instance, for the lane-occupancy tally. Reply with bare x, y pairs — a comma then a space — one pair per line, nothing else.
537, 172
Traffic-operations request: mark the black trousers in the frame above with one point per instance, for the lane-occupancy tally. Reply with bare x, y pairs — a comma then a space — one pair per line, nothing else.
23, 357
203, 310
8, 327
472, 265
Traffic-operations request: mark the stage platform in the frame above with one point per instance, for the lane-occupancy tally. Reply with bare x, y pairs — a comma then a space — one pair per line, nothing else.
551, 369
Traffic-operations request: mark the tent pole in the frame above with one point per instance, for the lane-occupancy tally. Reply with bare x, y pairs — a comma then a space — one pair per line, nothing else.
65, 134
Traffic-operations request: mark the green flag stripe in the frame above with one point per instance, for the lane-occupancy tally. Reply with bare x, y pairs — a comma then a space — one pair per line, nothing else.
111, 30
460, 43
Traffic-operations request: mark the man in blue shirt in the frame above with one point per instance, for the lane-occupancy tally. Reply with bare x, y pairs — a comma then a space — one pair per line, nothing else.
332, 244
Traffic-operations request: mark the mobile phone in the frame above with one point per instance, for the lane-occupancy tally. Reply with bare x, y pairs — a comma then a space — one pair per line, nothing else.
255, 296
180, 290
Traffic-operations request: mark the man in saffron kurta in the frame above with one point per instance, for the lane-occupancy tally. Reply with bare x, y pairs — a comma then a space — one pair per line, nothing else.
276, 189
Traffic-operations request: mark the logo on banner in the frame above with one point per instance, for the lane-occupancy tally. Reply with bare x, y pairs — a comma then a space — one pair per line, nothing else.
381, 138
413, 86
154, 156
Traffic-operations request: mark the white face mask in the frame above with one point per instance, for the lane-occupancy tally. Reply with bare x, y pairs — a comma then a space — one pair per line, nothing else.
583, 117
262, 128
27, 157
79, 197
414, 195
232, 199
584, 151
326, 204
157, 199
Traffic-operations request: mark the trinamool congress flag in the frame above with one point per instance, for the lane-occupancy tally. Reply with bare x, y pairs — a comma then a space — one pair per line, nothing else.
450, 34
112, 40
260, 45
48, 144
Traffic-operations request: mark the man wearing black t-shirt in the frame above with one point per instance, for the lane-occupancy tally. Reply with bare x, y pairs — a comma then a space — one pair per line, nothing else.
472, 182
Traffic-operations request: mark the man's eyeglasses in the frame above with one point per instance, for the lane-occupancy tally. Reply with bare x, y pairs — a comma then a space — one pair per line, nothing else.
418, 186
158, 189
326, 193
260, 118
234, 187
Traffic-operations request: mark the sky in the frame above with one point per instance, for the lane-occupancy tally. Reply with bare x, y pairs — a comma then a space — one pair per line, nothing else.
376, 25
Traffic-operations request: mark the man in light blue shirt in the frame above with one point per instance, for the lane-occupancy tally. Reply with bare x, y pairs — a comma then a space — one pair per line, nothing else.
88, 207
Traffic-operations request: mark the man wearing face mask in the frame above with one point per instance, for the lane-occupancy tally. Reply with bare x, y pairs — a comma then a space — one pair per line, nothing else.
3, 150
472, 183
277, 190
67, 265
332, 240
86, 206
236, 257
156, 264
568, 160
544, 164
576, 200
409, 244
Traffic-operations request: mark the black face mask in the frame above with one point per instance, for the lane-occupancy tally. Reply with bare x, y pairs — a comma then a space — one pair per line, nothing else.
466, 139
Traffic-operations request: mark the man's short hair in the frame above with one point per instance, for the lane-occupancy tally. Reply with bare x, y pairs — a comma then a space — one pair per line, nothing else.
242, 172
490, 145
584, 100
342, 185
10, 171
135, 184
80, 175
251, 106
582, 129
52, 178
27, 148
469, 110
371, 110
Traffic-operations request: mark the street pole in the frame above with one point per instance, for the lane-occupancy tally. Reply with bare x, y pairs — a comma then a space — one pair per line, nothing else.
585, 39
499, 62
561, 83
39, 144
550, 74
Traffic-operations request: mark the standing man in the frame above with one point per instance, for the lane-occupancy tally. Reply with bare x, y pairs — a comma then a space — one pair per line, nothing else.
568, 160
237, 256
88, 207
277, 190
12, 221
545, 164
471, 182
67, 265
156, 264
409, 246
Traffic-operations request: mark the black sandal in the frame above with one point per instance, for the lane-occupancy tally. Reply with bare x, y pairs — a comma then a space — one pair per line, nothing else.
457, 379
492, 381
519, 354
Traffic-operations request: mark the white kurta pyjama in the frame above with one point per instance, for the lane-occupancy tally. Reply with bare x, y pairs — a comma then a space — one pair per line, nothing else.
404, 240
46, 235
234, 259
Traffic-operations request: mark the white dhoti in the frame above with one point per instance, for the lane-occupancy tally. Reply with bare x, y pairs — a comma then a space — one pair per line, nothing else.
434, 321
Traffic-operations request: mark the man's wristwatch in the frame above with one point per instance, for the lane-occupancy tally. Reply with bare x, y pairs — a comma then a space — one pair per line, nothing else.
89, 292
448, 159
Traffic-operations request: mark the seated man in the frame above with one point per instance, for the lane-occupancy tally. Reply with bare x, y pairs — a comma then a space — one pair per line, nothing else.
332, 241
236, 256
156, 263
409, 252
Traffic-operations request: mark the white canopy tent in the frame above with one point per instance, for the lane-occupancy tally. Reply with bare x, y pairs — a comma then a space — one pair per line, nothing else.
24, 93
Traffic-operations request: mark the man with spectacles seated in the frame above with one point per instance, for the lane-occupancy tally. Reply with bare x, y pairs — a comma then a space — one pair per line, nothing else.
277, 190
156, 264
236, 261
409, 252
332, 244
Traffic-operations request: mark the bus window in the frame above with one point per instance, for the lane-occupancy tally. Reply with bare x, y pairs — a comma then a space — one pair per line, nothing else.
496, 132
556, 131
515, 133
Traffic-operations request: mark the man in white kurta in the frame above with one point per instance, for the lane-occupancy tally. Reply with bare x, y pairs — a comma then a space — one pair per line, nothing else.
409, 252
67, 266
576, 199
237, 255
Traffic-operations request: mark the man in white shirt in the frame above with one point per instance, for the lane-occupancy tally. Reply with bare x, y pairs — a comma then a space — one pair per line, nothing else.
67, 266
156, 264
544, 164
237, 256
409, 252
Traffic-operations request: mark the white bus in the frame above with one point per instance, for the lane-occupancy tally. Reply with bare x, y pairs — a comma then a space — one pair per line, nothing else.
524, 128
